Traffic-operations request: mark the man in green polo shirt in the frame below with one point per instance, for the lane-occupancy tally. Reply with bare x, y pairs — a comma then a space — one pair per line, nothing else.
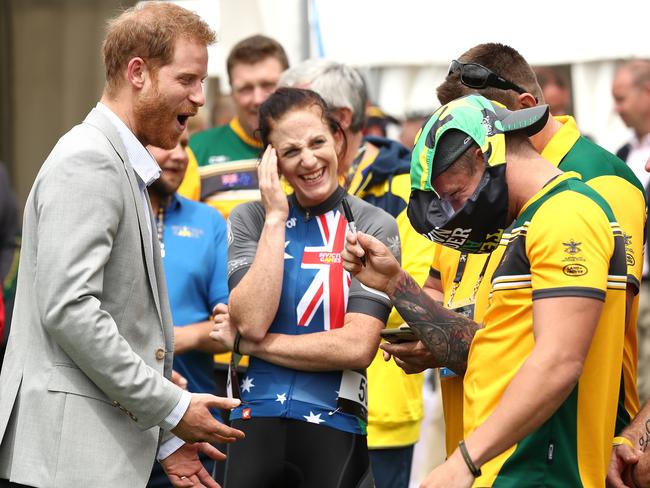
254, 68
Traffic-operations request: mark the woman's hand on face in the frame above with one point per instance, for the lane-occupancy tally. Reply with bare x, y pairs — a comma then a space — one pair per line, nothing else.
274, 199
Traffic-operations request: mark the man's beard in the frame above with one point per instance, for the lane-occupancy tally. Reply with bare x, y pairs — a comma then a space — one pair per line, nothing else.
162, 189
154, 121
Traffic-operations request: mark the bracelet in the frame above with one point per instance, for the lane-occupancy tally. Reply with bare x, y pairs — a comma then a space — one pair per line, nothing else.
617, 441
476, 472
235, 346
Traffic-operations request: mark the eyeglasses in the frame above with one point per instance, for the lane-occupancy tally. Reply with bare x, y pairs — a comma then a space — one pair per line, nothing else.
475, 75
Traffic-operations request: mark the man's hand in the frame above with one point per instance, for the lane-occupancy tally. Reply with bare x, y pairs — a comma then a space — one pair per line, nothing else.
453, 473
640, 472
622, 461
223, 332
185, 470
198, 424
413, 357
381, 269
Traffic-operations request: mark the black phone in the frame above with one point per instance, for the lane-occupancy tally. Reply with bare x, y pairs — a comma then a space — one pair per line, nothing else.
399, 334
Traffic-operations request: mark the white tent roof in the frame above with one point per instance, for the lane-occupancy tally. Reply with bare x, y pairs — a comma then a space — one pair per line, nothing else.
422, 32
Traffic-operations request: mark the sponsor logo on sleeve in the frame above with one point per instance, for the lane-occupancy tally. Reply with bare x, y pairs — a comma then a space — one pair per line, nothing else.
629, 250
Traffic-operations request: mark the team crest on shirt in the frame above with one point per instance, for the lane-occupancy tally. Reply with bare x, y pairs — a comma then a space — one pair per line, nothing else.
185, 231
574, 254
572, 247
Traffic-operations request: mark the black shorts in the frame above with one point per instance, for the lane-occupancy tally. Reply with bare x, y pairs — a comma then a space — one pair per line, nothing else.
286, 453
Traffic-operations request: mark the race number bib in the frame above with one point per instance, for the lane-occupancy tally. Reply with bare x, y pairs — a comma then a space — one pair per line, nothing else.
353, 394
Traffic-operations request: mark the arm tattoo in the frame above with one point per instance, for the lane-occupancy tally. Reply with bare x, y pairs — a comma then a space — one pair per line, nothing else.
446, 334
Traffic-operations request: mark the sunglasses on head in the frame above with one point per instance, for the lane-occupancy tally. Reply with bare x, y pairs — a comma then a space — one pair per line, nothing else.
475, 75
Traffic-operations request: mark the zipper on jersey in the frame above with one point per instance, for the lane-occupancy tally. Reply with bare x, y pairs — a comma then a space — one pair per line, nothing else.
550, 452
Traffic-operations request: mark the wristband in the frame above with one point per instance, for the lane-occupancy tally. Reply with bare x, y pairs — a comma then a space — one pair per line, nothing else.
476, 472
622, 440
235, 346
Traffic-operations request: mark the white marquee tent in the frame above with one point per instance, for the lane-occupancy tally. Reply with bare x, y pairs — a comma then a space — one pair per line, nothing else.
404, 46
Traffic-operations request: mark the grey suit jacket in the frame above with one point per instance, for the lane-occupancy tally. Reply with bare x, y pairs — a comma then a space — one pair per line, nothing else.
82, 387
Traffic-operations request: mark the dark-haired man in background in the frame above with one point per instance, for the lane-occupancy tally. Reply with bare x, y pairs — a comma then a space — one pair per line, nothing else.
254, 68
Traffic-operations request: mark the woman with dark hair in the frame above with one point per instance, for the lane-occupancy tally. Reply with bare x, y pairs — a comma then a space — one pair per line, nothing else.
310, 328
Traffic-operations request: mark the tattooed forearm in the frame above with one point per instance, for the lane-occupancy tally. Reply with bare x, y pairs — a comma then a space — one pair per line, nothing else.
446, 334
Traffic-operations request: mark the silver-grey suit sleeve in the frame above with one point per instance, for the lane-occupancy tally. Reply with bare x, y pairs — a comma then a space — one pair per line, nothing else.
80, 206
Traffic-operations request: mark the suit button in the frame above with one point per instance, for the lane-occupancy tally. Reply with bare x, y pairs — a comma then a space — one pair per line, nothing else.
160, 354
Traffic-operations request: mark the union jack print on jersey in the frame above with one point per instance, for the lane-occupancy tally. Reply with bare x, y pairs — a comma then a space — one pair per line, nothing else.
331, 284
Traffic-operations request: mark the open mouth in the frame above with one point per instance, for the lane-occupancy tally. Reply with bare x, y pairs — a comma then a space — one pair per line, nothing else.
313, 177
182, 120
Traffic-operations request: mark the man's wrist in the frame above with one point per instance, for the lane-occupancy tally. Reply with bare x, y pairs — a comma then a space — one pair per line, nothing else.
177, 413
169, 447
393, 282
467, 458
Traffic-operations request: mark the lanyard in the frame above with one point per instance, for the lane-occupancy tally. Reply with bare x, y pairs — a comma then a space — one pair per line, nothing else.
462, 264
353, 167
160, 228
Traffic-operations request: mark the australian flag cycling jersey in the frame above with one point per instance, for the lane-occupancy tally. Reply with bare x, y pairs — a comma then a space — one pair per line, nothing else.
316, 294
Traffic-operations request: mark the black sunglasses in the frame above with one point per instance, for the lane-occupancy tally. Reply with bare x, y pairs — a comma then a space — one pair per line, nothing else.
475, 75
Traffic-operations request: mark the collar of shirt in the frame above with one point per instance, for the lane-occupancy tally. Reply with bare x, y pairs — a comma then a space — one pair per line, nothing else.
174, 203
141, 160
562, 141
643, 142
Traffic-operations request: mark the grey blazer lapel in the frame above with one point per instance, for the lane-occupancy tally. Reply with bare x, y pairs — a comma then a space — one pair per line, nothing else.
146, 239
104, 125
162, 293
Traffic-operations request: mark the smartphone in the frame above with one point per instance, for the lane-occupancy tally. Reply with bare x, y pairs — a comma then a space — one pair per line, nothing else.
402, 333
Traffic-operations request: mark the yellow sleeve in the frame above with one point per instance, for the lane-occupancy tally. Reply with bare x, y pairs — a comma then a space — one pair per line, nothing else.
191, 184
435, 262
630, 213
569, 252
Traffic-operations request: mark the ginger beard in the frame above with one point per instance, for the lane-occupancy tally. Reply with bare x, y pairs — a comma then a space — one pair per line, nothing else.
159, 123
